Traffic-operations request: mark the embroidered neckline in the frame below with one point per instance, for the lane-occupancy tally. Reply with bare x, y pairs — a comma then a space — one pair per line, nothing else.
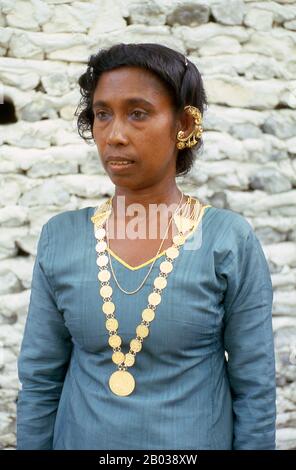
146, 263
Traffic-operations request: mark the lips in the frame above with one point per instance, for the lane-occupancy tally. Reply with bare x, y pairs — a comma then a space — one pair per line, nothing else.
119, 160
120, 163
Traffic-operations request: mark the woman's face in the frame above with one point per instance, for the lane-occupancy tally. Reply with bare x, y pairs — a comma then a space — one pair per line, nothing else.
134, 119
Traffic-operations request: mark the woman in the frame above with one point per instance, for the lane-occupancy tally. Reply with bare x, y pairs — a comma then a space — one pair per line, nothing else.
134, 344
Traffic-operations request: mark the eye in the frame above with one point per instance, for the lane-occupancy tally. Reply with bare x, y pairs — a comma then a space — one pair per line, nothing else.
139, 114
99, 114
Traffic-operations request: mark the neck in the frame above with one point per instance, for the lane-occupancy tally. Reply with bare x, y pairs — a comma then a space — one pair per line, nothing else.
144, 197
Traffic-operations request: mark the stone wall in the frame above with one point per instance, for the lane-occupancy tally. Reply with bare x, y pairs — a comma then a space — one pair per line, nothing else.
246, 52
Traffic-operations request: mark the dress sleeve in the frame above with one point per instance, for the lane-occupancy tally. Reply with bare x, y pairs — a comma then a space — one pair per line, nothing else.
249, 343
43, 359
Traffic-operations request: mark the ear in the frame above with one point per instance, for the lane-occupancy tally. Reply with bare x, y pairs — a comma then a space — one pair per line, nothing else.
185, 123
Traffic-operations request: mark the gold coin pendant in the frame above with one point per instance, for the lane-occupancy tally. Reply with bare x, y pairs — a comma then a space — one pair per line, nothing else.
122, 383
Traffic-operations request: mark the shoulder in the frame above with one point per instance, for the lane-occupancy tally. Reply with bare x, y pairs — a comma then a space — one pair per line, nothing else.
229, 235
226, 222
69, 225
70, 219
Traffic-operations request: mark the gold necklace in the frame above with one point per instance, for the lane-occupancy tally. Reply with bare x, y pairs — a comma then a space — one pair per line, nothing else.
122, 382
155, 258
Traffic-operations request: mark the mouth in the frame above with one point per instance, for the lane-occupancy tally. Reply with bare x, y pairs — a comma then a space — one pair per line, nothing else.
120, 165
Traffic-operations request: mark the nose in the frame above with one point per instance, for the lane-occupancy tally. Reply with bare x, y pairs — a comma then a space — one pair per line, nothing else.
117, 133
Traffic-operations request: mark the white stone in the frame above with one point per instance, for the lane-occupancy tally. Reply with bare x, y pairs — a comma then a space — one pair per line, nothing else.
225, 146
93, 17
55, 84
6, 423
8, 282
283, 404
33, 45
194, 38
21, 46
25, 81
223, 118
220, 45
75, 18
66, 137
10, 336
41, 134
21, 267
229, 12
257, 149
288, 169
290, 25
38, 109
82, 203
109, 17
284, 302
280, 13
9, 360
259, 19
286, 438
23, 183
2, 20
186, 13
29, 14
91, 164
282, 224
89, 186
214, 169
19, 98
151, 13
56, 2
233, 64
8, 441
10, 192
5, 36
234, 91
275, 201
288, 97
10, 382
61, 158
67, 112
244, 202
15, 304
6, 397
41, 163
282, 254
288, 211
133, 33
270, 180
17, 65
8, 238
277, 43
49, 192
281, 123
291, 145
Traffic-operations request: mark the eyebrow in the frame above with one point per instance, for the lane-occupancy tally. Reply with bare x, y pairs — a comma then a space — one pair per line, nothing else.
133, 101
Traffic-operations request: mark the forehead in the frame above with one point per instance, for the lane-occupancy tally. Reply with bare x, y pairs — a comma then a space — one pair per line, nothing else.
123, 82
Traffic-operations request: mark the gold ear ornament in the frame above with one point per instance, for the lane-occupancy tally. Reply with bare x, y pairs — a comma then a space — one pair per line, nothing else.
194, 136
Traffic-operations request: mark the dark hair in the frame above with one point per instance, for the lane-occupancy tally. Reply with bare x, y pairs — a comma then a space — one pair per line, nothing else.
180, 76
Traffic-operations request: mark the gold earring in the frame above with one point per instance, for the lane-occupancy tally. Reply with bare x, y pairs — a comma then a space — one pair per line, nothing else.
190, 140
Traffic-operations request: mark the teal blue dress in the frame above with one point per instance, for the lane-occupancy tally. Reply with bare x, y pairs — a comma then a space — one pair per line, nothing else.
189, 394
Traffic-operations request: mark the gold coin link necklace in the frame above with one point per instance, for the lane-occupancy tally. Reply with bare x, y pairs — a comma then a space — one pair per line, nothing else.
122, 382
155, 258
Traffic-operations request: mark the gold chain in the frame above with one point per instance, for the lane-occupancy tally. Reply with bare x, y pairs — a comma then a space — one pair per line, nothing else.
122, 382
151, 267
